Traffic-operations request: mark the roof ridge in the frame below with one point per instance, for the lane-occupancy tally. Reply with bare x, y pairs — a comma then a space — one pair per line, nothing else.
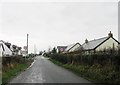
97, 39
73, 43
2, 41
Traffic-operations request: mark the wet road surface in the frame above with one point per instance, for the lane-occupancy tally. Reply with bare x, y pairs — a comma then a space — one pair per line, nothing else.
44, 71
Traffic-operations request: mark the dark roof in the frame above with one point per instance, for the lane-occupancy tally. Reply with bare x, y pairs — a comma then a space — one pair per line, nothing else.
4, 44
1, 45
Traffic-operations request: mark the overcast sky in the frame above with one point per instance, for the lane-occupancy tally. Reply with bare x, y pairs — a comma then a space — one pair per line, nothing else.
51, 24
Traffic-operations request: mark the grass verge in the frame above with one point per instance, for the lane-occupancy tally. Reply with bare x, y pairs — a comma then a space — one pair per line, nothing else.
10, 72
72, 68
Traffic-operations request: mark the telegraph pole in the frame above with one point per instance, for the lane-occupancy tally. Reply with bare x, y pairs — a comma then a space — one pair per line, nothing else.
27, 43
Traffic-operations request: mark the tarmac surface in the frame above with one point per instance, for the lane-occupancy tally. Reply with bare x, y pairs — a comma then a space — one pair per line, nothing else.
42, 70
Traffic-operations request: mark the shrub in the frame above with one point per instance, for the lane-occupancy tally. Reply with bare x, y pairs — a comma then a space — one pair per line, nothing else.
99, 67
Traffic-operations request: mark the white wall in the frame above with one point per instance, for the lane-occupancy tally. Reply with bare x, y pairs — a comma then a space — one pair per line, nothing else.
74, 48
1, 50
108, 44
7, 50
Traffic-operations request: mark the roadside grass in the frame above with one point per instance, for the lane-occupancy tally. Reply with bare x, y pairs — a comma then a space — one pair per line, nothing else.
9, 72
12, 72
56, 62
78, 70
0, 77
95, 74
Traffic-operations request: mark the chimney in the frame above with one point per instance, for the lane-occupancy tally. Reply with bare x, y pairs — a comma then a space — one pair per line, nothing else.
110, 34
86, 41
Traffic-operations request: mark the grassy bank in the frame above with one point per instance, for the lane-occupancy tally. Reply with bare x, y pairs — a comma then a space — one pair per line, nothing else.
12, 72
74, 68
12, 69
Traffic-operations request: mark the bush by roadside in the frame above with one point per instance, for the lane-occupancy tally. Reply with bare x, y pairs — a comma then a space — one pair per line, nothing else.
98, 68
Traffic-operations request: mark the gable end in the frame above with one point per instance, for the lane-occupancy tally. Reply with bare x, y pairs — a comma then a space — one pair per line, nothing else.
105, 41
73, 46
101, 43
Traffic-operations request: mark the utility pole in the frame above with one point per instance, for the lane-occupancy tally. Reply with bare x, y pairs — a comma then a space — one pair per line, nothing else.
27, 43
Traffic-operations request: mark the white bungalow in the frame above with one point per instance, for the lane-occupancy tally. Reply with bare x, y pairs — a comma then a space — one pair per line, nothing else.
4, 50
101, 44
73, 47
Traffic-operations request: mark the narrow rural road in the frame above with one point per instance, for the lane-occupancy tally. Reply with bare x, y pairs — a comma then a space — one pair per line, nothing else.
44, 71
